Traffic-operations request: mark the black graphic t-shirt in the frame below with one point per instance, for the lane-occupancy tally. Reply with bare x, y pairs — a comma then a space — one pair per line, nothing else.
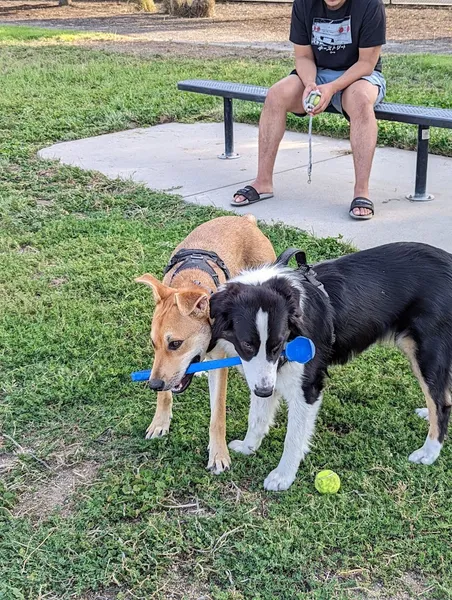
337, 35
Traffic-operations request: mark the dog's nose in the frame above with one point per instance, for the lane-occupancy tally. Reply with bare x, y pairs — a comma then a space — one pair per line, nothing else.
156, 384
263, 392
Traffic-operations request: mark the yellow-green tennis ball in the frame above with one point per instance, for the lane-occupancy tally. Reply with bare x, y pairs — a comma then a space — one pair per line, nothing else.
316, 100
327, 482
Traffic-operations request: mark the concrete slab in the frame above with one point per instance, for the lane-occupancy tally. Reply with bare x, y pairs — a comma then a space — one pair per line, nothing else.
182, 158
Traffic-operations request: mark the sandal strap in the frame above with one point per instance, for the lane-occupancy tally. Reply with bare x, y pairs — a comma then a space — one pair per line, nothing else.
248, 192
360, 202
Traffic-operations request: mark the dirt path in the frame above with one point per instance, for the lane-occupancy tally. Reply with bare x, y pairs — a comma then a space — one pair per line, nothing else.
240, 28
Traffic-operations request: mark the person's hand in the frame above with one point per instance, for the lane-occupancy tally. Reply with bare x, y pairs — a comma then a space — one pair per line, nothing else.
310, 87
327, 91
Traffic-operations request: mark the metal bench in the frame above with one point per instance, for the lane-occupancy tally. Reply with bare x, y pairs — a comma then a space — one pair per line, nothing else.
422, 116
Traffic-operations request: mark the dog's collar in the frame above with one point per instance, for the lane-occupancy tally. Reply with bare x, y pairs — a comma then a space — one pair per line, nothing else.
197, 259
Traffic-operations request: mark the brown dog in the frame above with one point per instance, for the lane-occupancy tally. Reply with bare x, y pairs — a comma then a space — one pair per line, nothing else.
181, 330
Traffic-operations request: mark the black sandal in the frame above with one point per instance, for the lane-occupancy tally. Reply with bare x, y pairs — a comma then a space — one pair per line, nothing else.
360, 202
251, 196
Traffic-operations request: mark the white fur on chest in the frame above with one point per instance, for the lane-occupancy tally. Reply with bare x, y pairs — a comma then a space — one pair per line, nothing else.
289, 381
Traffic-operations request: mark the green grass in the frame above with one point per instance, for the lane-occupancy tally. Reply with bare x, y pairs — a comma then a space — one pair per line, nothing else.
74, 325
19, 33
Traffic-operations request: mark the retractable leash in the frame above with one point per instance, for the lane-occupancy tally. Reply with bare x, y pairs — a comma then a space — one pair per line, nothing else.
300, 350
310, 103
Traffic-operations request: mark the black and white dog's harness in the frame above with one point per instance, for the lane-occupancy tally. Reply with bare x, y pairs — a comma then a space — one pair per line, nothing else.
303, 268
306, 271
197, 259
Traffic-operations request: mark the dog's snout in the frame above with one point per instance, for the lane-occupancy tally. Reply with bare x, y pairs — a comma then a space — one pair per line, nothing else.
263, 392
156, 384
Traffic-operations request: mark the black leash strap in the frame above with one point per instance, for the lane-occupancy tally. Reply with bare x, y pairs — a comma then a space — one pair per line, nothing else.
284, 258
306, 270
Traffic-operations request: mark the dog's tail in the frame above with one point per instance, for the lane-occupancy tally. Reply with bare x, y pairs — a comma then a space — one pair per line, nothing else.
251, 218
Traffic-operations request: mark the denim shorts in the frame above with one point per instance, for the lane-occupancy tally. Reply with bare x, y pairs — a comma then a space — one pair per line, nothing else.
329, 75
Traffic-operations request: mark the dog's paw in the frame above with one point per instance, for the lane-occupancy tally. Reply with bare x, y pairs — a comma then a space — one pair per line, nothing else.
422, 412
241, 447
427, 454
219, 461
158, 428
278, 481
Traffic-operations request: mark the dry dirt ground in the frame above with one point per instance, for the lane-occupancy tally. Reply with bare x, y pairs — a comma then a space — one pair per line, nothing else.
56, 492
239, 28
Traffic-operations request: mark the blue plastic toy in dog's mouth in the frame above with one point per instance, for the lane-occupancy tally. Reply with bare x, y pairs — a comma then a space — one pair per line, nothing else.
300, 350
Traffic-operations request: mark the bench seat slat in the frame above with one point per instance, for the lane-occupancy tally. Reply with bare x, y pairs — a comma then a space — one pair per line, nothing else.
403, 113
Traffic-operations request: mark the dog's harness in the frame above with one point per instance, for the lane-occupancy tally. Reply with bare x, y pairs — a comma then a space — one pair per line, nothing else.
303, 268
197, 259
306, 271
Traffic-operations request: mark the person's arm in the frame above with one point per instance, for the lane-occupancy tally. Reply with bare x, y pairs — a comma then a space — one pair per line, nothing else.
306, 68
300, 36
372, 36
368, 58
305, 64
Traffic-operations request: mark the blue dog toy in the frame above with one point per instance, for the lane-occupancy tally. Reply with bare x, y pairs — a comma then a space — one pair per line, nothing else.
300, 350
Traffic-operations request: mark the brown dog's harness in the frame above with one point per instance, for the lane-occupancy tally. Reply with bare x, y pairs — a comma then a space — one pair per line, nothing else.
197, 259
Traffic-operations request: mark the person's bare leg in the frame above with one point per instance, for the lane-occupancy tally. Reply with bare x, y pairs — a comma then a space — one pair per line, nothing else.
358, 101
282, 98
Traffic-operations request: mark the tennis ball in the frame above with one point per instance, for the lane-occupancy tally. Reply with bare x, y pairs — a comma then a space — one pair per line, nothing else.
316, 100
327, 482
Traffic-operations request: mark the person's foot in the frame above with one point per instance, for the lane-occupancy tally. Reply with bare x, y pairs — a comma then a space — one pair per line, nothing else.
361, 212
361, 208
262, 190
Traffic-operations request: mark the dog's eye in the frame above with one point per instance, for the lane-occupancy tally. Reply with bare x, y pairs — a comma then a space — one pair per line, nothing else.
247, 346
175, 344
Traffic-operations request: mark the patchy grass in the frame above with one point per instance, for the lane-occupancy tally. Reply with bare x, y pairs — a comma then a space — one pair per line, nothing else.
18, 34
22, 33
148, 520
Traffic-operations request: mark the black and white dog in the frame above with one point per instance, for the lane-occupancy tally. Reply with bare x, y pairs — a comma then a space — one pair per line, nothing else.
399, 292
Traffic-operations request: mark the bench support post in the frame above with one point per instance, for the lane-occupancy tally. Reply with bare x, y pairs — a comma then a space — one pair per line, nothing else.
420, 191
228, 131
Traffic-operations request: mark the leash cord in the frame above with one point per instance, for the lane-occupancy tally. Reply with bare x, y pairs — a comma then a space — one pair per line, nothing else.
309, 104
310, 149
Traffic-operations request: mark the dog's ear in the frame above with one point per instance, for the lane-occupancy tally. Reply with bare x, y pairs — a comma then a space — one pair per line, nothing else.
291, 296
220, 302
159, 289
296, 323
193, 302
220, 311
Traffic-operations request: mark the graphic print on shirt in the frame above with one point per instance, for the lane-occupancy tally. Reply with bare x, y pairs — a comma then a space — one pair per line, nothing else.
331, 35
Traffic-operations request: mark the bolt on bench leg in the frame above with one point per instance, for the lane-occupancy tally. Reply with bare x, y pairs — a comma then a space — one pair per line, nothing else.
420, 191
228, 131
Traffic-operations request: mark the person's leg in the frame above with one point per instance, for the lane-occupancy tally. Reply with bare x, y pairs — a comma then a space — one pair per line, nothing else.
282, 98
358, 102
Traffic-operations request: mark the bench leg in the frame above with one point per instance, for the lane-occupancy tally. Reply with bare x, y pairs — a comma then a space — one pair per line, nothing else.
228, 131
420, 191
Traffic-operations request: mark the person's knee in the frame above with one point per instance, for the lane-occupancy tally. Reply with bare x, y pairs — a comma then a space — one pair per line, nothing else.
282, 95
359, 104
